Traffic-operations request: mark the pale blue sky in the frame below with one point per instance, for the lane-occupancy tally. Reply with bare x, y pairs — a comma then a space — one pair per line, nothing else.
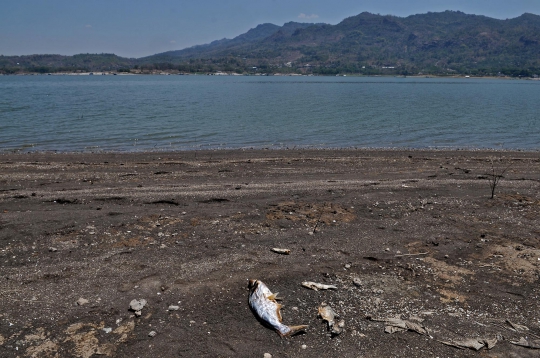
136, 28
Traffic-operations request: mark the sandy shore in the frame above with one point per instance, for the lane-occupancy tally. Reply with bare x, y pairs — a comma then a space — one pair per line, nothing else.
408, 234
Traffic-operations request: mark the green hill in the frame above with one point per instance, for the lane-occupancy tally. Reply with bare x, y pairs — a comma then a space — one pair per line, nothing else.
59, 63
441, 43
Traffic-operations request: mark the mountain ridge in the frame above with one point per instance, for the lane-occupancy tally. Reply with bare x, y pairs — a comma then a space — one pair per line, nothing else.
253, 35
446, 42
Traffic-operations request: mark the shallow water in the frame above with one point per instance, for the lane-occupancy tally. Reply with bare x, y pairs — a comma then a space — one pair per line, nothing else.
134, 113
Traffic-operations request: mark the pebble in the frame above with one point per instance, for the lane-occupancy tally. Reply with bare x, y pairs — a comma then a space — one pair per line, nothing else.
347, 266
82, 301
304, 346
267, 355
107, 330
137, 305
173, 308
152, 334
53, 249
357, 282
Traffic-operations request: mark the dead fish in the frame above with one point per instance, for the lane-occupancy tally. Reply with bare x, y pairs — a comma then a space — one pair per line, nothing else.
263, 303
329, 315
318, 286
281, 251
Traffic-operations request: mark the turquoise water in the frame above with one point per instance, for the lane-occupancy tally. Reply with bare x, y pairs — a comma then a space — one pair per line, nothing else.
135, 113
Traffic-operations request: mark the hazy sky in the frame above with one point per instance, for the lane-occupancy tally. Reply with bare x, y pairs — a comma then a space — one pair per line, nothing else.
136, 28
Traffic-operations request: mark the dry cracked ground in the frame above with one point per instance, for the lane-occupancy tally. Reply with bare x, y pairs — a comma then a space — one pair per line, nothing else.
424, 262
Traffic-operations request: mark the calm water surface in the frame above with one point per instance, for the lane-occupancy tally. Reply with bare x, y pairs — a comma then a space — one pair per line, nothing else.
134, 113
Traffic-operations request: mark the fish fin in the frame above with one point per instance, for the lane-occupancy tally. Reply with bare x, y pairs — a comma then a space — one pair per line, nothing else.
294, 330
278, 312
273, 297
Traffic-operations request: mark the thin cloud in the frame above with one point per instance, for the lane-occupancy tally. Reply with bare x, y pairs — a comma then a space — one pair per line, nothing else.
88, 26
172, 41
308, 17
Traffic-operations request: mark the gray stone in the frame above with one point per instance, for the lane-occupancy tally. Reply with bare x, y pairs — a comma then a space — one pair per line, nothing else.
137, 305
82, 301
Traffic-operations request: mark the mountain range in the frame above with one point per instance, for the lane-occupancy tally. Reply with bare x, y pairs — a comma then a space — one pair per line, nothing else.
447, 42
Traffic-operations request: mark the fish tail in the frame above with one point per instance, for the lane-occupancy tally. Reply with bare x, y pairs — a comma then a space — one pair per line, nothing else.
294, 330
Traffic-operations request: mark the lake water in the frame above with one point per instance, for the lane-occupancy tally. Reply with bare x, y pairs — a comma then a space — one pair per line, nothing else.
136, 113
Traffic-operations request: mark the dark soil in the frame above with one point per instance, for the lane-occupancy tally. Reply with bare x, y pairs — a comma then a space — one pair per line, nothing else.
416, 231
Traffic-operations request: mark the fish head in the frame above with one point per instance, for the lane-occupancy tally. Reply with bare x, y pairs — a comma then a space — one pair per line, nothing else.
253, 284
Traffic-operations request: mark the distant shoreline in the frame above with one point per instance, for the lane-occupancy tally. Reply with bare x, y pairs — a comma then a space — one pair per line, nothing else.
267, 75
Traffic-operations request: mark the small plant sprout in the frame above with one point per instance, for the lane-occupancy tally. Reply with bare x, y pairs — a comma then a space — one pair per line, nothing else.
495, 177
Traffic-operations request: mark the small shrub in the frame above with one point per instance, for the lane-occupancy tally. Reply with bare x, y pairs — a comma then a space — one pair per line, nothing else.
495, 177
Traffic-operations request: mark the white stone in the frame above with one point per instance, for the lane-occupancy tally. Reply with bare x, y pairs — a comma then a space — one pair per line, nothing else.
82, 301
137, 305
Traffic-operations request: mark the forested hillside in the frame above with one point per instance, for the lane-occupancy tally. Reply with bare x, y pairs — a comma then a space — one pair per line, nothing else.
442, 43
